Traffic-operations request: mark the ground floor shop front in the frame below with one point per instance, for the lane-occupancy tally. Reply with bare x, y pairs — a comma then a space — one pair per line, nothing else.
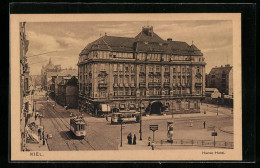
147, 106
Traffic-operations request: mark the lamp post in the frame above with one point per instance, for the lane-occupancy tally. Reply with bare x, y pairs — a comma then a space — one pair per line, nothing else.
217, 107
141, 120
121, 122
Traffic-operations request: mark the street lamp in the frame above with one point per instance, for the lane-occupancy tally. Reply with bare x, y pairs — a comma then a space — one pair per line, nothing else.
217, 107
121, 122
141, 120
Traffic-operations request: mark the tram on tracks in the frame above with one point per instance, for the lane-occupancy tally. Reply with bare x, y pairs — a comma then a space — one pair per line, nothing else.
125, 117
78, 126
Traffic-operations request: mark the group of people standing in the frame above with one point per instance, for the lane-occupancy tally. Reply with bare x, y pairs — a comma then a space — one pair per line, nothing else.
131, 140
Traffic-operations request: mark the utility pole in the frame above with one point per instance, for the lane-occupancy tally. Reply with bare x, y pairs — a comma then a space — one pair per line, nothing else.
141, 120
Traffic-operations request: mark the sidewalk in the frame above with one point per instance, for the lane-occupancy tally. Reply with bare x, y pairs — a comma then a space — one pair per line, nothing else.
140, 145
191, 115
35, 146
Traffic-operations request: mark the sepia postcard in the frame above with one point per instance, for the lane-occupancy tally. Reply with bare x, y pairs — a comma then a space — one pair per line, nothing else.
126, 87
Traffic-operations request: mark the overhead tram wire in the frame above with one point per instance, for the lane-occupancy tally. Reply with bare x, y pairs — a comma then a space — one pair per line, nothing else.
41, 54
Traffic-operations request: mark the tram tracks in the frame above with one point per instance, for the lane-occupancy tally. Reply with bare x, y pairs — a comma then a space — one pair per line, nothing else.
60, 128
66, 124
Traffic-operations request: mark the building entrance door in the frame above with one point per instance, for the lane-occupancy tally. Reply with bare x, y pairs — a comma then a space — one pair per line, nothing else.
156, 108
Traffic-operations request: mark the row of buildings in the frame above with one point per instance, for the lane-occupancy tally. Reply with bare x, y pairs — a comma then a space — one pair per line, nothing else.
60, 84
160, 76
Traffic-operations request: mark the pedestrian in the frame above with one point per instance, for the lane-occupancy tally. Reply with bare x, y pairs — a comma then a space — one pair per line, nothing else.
43, 140
149, 141
204, 123
39, 133
130, 137
35, 117
106, 117
134, 140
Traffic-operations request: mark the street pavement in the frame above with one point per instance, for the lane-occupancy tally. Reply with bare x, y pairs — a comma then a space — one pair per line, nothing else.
102, 135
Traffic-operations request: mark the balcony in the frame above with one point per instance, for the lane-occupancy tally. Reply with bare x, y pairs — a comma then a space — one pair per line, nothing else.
199, 84
166, 84
102, 85
166, 73
142, 73
154, 84
158, 73
142, 84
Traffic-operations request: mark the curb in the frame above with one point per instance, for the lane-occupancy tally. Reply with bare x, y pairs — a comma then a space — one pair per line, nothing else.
229, 132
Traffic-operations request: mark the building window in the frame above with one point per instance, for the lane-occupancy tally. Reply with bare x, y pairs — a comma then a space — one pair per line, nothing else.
151, 68
121, 79
167, 92
127, 79
166, 69
195, 105
187, 105
115, 79
166, 80
127, 92
157, 68
132, 79
115, 67
132, 68
121, 92
126, 68
142, 79
121, 67
174, 69
132, 92
178, 106
115, 92
157, 92
151, 79
103, 67
142, 68
198, 69
102, 93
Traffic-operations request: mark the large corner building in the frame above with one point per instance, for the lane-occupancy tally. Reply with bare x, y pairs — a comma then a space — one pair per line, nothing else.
160, 76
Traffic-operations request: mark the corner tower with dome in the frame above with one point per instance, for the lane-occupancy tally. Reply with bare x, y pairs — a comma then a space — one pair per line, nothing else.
161, 76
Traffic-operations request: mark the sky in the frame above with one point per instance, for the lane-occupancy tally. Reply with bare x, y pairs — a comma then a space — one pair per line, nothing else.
213, 38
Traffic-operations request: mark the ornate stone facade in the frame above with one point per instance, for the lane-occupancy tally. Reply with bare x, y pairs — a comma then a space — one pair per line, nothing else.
161, 76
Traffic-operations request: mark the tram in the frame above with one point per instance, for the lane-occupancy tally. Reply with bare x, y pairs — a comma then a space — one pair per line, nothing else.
125, 117
78, 126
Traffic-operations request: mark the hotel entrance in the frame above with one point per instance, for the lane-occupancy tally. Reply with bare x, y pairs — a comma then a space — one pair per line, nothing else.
156, 108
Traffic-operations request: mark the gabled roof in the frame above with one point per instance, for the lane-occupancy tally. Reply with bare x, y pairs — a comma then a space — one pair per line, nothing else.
145, 38
145, 41
220, 70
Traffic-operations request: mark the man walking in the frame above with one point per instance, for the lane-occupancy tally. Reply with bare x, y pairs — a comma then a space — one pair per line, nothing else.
204, 124
134, 141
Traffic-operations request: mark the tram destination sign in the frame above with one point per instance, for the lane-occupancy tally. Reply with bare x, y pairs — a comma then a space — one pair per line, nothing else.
153, 127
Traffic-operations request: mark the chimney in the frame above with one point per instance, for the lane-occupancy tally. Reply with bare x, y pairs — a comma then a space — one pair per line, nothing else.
169, 39
148, 30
